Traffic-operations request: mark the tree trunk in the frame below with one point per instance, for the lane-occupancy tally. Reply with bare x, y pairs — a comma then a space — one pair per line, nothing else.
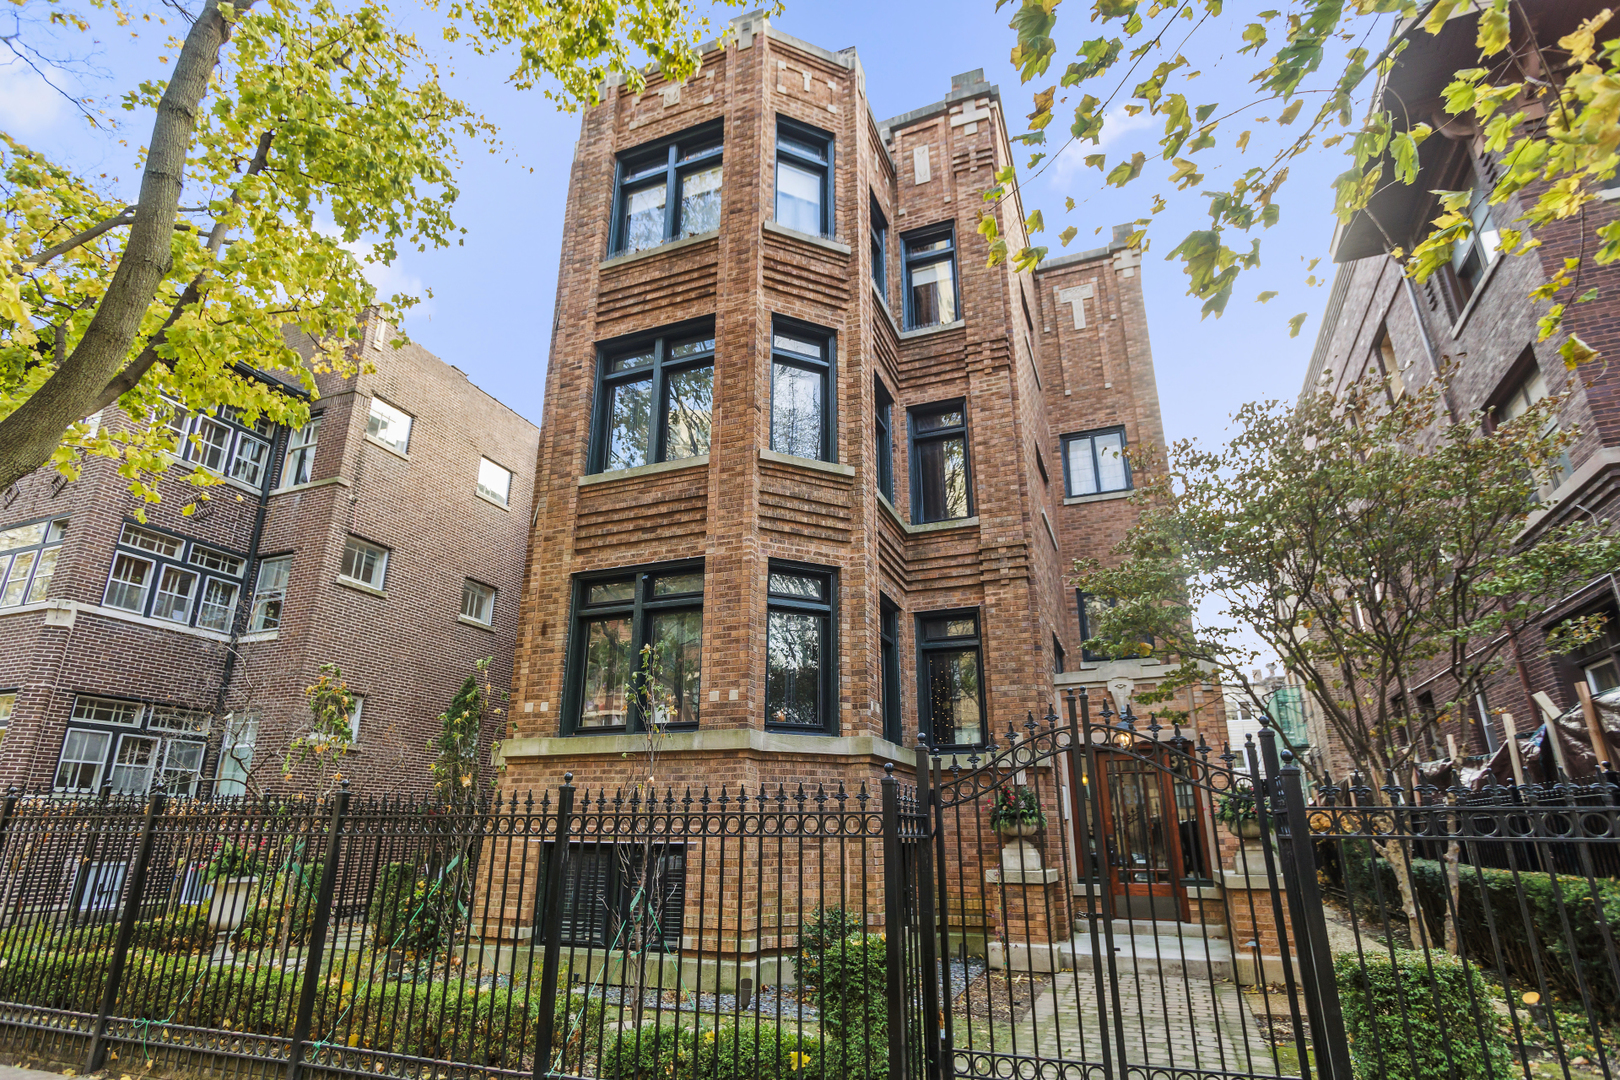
30, 434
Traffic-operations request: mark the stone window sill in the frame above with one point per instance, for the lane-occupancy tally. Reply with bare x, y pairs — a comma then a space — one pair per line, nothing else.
1101, 496
925, 331
930, 527
260, 635
807, 238
832, 467
396, 451
701, 461
226, 481
360, 586
340, 481
469, 621
662, 249
492, 502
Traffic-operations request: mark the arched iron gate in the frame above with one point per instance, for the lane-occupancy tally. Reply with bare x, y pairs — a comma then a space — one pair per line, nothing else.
1072, 909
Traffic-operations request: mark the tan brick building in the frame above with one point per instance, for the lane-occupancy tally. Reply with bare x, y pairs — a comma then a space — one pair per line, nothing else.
800, 439
386, 537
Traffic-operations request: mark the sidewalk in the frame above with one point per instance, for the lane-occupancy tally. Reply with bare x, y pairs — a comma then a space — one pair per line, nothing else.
11, 1072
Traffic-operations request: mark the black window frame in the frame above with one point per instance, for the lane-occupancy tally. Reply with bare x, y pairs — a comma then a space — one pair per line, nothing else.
880, 251
889, 669
637, 168
184, 560
596, 896
826, 367
914, 458
824, 166
1089, 656
638, 607
1093, 435
1058, 656
910, 263
883, 433
827, 608
925, 647
659, 372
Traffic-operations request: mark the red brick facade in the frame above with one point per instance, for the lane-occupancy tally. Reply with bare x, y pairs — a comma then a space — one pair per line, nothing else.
402, 647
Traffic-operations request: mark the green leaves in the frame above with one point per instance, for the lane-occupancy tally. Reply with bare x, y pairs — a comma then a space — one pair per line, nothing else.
1126, 171
1033, 24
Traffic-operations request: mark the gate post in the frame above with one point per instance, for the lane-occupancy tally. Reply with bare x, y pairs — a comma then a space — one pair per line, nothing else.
894, 923
927, 906
1299, 869
126, 932
551, 928
315, 953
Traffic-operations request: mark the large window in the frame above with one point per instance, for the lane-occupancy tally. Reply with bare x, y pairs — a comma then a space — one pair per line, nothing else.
655, 400
223, 442
889, 641
801, 391
930, 277
270, 593
174, 579
1094, 462
28, 556
1470, 258
804, 159
939, 463
951, 678
799, 649
880, 252
236, 753
300, 466
388, 425
1090, 609
668, 191
132, 747
883, 435
615, 684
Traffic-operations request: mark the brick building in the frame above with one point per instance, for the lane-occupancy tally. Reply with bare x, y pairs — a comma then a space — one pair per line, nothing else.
1476, 314
803, 441
386, 536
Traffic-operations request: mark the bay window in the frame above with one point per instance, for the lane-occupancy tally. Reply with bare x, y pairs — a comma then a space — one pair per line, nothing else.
637, 649
655, 400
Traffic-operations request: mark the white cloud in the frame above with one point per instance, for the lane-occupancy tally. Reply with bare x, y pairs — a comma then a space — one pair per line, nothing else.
28, 104
1117, 125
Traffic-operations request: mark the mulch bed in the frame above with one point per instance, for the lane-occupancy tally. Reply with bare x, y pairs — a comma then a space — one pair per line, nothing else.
988, 997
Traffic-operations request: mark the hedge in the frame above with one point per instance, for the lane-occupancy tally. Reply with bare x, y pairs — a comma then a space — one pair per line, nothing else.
1419, 1017
731, 1051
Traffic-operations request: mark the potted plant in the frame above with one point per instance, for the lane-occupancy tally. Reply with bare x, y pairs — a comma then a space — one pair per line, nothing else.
234, 871
1237, 809
1016, 813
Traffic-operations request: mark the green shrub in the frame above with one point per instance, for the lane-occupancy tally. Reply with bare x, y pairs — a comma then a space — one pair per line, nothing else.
403, 912
852, 999
732, 1051
1419, 1018
823, 929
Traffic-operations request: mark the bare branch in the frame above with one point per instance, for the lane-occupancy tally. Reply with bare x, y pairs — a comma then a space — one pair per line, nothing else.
124, 217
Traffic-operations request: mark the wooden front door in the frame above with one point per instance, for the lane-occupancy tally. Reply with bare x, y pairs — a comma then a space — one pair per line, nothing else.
1141, 836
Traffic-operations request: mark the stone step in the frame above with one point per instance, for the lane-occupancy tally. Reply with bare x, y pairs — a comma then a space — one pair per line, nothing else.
1157, 928
1137, 951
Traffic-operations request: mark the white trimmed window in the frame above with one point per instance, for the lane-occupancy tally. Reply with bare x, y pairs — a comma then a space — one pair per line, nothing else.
28, 559
494, 481
84, 755
100, 710
236, 753
209, 559
135, 764
176, 588
364, 563
131, 583
389, 425
146, 540
252, 455
270, 592
182, 766
354, 716
300, 466
477, 602
217, 603
210, 444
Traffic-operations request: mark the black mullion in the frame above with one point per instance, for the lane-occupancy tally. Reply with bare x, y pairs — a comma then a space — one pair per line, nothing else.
660, 392
671, 190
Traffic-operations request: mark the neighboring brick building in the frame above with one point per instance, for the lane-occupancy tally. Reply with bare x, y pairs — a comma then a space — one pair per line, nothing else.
1476, 314
133, 651
800, 437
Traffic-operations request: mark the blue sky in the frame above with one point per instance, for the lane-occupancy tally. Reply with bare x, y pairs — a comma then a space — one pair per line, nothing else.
492, 297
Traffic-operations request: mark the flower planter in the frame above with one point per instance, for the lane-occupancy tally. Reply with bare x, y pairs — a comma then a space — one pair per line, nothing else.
1008, 830
229, 904
1248, 829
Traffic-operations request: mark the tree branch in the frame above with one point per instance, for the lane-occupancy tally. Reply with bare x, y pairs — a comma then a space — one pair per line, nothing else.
124, 217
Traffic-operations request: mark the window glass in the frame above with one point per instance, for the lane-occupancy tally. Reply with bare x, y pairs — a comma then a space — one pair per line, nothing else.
1110, 461
175, 590
884, 439
477, 601
210, 559
611, 591
607, 672
217, 605
798, 198
354, 716
933, 294
801, 585
236, 753
678, 584
301, 454
156, 543
363, 562
1096, 462
691, 410
644, 224
8, 704
210, 443
889, 638
940, 483
44, 569
389, 425
25, 575
677, 641
130, 584
84, 754
269, 592
251, 457
951, 677
182, 765
700, 202
494, 481
788, 343
632, 360
629, 424
796, 417
134, 764
657, 403
798, 651
19, 568
98, 710
22, 536
880, 252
